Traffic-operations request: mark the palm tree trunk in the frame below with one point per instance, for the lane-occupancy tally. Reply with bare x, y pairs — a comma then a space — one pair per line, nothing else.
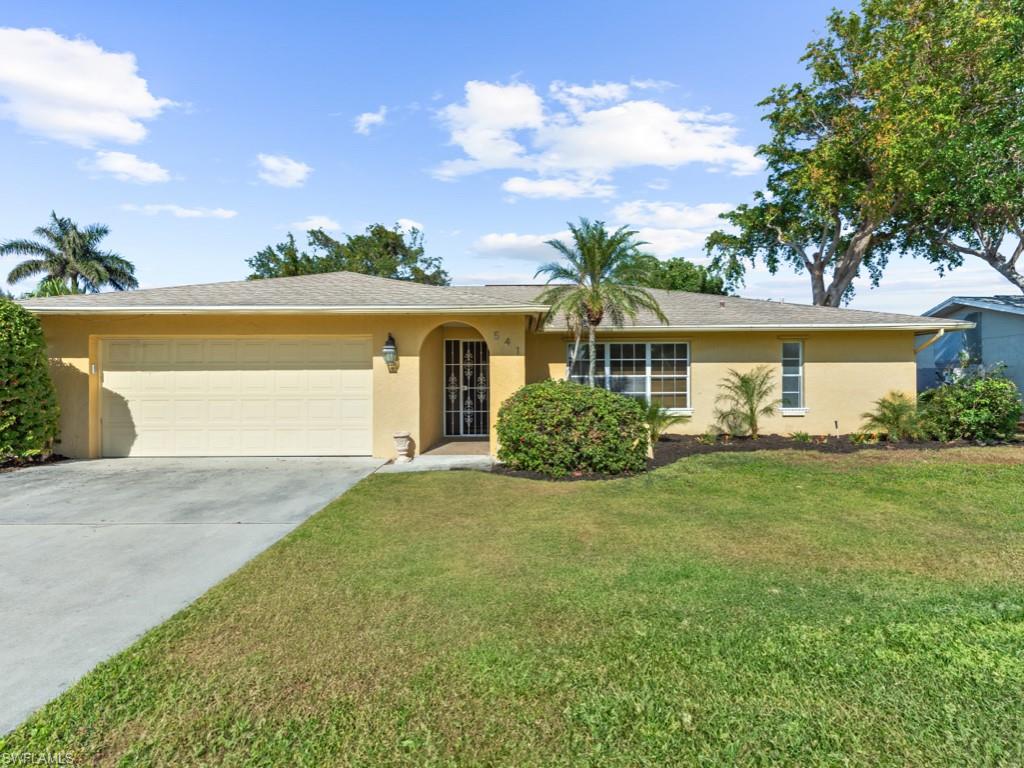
592, 353
575, 355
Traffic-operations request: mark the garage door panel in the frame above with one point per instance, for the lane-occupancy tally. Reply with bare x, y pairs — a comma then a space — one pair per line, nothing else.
223, 381
189, 412
242, 396
221, 412
220, 352
155, 352
190, 352
289, 382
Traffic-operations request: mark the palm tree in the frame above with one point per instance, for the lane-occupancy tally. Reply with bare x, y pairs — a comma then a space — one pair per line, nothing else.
70, 256
595, 282
747, 397
48, 286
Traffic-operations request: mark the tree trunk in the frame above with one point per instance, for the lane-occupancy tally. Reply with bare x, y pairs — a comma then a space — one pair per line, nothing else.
1005, 267
848, 266
818, 292
575, 355
592, 353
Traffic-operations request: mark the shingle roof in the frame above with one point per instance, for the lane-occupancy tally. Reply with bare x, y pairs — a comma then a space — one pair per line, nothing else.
358, 293
1011, 304
334, 290
701, 310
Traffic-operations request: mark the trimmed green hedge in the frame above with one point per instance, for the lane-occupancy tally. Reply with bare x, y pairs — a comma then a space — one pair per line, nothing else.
28, 402
560, 427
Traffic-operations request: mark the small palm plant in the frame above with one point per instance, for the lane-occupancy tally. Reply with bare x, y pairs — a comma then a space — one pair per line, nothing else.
746, 397
658, 420
896, 416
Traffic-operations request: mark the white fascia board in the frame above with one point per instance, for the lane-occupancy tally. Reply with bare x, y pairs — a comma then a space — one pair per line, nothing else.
923, 327
280, 310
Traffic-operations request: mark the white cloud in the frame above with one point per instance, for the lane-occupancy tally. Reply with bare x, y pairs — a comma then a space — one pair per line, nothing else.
561, 188
410, 224
652, 85
579, 97
125, 166
520, 247
367, 120
485, 125
73, 90
325, 223
584, 132
643, 133
659, 184
671, 228
283, 171
180, 212
679, 215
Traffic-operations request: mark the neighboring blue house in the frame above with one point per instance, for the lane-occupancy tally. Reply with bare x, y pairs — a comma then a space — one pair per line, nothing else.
997, 337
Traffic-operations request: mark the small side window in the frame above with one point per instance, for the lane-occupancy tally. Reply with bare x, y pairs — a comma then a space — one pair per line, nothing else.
792, 375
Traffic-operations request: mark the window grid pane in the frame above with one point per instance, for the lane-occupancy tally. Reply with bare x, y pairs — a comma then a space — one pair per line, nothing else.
581, 366
670, 375
639, 370
792, 374
627, 368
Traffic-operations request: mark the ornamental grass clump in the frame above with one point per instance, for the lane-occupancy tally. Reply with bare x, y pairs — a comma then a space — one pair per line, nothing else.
560, 428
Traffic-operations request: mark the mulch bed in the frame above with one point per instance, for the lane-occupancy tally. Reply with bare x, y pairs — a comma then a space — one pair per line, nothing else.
672, 448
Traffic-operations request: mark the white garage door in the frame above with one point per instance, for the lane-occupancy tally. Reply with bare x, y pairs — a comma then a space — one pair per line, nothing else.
296, 396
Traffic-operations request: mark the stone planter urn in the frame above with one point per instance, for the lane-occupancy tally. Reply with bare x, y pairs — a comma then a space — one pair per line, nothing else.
403, 447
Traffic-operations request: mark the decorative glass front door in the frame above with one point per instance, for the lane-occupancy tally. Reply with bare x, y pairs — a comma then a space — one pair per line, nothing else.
466, 388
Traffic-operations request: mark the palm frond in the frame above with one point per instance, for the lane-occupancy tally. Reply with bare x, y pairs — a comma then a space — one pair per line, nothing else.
25, 248
26, 269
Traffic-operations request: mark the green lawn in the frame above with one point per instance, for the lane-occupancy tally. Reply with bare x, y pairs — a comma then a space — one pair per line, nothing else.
755, 610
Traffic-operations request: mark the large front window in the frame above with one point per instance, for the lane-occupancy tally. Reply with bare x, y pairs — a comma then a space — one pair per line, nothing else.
654, 372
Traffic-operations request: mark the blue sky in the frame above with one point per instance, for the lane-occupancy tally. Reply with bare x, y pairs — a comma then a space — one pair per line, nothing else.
201, 132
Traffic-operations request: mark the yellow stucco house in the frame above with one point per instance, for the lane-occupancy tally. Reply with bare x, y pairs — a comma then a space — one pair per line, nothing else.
295, 366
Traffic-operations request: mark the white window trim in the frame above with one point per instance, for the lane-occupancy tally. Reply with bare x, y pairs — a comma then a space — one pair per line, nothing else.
606, 372
802, 409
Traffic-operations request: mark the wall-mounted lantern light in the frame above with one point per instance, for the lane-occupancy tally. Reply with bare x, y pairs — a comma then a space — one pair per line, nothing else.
390, 354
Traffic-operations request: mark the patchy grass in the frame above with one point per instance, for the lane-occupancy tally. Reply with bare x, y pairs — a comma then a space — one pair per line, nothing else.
755, 609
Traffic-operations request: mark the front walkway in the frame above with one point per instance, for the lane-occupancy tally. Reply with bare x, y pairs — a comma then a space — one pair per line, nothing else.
94, 553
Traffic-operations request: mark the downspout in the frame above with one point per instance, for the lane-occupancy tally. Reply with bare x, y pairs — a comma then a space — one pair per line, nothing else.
923, 346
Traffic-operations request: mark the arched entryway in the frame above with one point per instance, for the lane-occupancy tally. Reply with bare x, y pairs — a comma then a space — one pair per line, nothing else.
455, 387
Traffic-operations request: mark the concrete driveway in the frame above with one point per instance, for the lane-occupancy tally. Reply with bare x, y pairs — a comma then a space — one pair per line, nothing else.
94, 553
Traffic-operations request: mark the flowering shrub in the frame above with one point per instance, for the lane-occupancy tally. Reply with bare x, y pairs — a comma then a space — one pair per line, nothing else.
560, 427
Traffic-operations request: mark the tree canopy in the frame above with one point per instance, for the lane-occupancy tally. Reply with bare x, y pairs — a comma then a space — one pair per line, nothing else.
69, 259
381, 251
677, 274
907, 135
827, 208
950, 92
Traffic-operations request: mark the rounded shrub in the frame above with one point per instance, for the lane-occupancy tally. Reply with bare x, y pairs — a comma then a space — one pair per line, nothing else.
560, 428
28, 403
985, 407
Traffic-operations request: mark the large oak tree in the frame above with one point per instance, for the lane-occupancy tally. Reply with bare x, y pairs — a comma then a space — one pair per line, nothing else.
951, 87
907, 135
